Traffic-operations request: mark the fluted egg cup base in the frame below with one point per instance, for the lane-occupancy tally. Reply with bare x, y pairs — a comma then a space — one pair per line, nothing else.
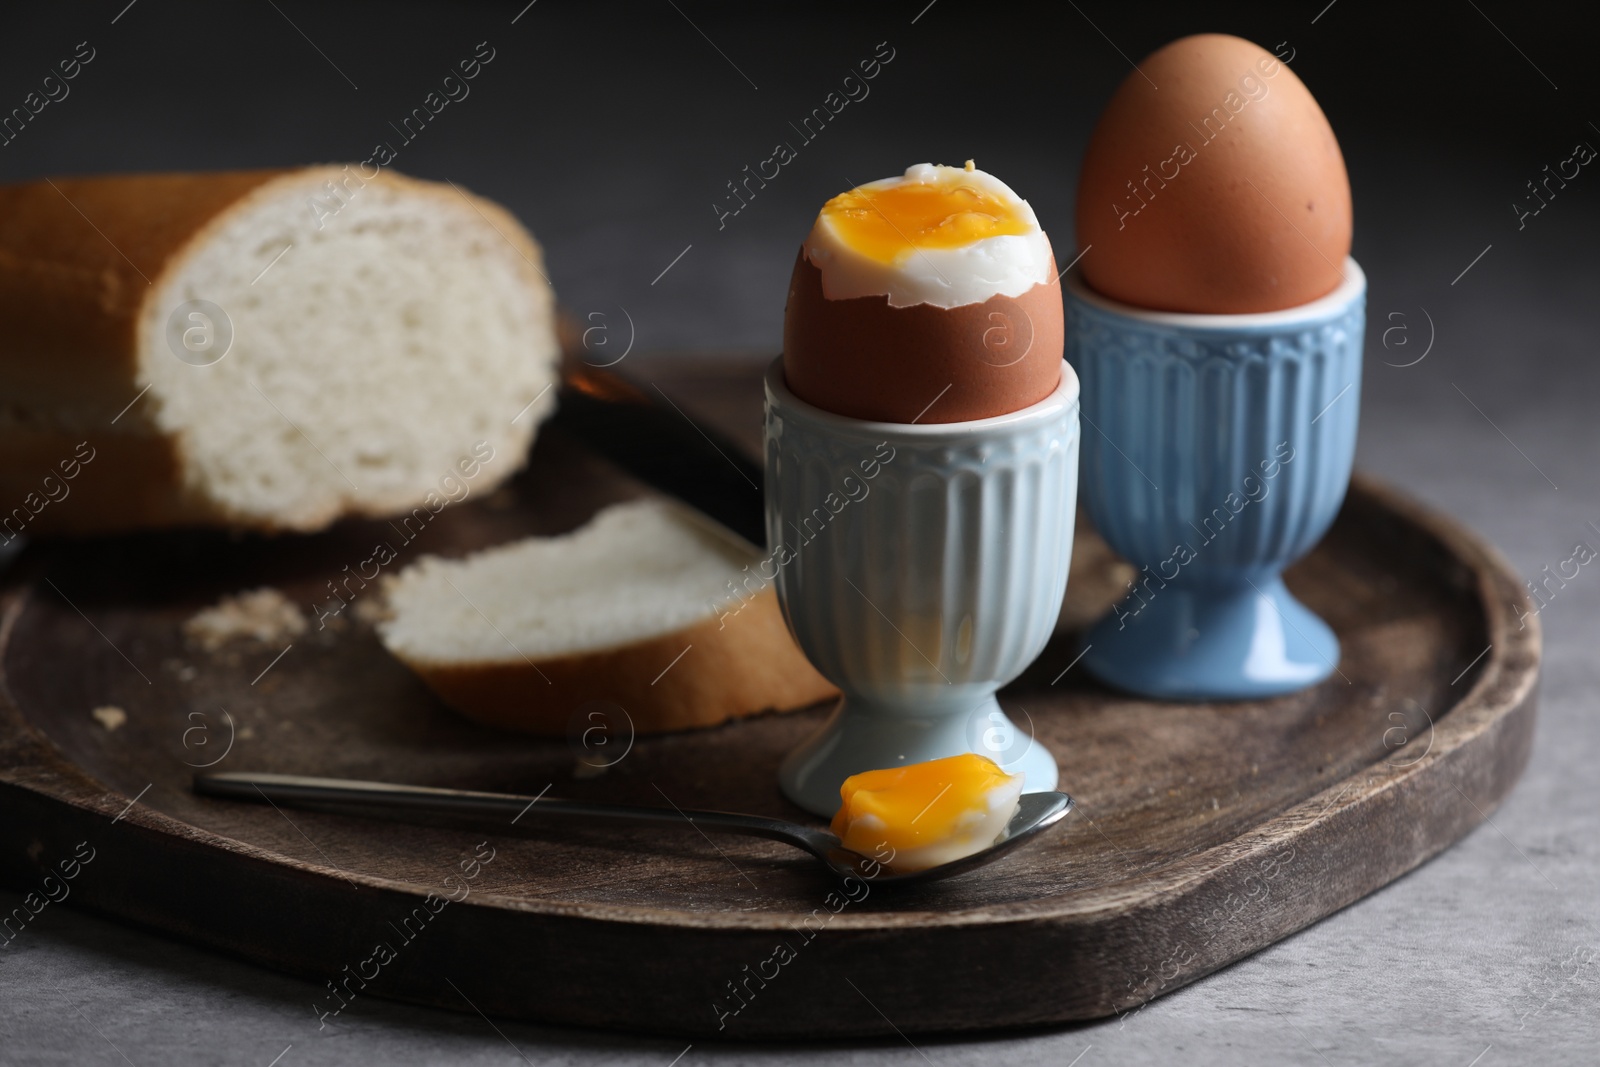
1213, 643
861, 736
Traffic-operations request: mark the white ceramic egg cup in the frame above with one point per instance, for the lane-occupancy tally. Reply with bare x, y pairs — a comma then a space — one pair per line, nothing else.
920, 567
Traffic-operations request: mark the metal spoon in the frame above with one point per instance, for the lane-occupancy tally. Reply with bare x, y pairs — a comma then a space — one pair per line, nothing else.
1036, 812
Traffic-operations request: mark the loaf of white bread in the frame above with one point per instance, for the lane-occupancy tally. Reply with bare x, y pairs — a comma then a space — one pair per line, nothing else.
646, 608
266, 349
280, 349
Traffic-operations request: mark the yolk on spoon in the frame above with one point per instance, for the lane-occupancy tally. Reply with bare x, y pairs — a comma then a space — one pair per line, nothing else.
927, 813
889, 223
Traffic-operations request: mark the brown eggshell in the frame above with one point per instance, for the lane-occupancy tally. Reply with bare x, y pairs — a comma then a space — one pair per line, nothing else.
1258, 219
864, 359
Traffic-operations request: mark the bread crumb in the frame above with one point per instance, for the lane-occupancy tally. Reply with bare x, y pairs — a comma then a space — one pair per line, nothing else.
372, 610
110, 716
332, 624
183, 671
264, 615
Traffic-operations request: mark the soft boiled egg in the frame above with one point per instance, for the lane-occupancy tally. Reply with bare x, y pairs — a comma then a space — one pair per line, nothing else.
928, 297
1213, 184
925, 814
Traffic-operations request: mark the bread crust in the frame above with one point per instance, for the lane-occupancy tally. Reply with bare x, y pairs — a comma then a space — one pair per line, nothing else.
734, 668
81, 262
79, 259
130, 483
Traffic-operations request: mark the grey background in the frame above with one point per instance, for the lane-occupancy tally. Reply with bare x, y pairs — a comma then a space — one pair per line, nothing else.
612, 130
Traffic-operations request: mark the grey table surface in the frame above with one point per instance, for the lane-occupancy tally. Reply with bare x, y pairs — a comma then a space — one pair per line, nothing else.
612, 134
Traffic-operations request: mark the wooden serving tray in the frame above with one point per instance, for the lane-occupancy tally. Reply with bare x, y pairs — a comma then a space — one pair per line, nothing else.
1203, 832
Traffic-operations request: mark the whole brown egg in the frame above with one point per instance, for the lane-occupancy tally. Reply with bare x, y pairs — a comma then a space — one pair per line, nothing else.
1213, 184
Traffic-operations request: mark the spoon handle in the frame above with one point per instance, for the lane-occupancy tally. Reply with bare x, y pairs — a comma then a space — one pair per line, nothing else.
347, 793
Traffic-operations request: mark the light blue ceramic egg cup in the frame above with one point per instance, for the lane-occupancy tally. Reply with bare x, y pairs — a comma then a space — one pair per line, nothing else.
1216, 451
920, 567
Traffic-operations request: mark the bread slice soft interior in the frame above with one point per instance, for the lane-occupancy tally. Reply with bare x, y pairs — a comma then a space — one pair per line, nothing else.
645, 607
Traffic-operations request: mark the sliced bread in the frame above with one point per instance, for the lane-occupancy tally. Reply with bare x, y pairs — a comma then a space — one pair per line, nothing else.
645, 607
263, 349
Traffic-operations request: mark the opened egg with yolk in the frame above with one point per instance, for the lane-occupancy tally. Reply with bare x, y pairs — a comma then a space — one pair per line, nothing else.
925, 814
930, 297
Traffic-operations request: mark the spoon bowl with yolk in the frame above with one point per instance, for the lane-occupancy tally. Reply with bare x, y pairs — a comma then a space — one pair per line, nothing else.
1035, 813
932, 815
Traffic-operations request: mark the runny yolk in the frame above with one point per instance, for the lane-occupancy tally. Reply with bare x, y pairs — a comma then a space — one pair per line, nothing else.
918, 805
888, 224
